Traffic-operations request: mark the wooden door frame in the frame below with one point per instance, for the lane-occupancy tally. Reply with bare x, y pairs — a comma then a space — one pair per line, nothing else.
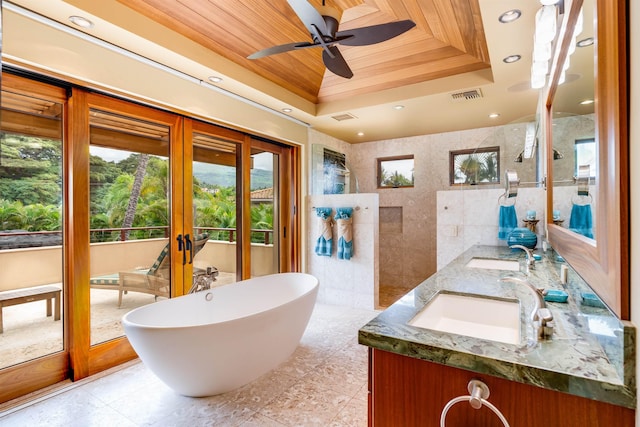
79, 359
116, 351
36, 374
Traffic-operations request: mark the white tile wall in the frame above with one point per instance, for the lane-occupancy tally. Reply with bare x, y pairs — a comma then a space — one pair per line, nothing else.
474, 216
352, 282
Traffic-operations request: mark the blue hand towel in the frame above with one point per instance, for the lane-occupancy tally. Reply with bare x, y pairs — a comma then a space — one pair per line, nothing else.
324, 243
581, 221
345, 232
507, 221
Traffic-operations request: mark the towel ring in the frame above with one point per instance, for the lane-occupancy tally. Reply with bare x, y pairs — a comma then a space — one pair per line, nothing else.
503, 200
581, 199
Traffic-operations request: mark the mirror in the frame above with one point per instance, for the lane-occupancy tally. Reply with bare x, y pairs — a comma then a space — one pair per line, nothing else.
481, 199
602, 261
573, 136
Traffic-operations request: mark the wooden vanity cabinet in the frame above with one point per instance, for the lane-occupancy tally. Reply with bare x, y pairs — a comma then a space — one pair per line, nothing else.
407, 392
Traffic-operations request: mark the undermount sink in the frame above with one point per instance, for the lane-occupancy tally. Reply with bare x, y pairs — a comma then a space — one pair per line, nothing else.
472, 315
494, 264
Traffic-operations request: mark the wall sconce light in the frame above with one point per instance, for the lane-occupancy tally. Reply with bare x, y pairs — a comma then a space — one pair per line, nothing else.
518, 158
557, 155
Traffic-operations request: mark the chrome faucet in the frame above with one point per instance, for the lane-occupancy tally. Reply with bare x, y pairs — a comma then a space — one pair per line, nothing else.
530, 263
541, 317
203, 281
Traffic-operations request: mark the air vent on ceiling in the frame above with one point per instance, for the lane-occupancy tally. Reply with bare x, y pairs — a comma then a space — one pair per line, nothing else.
466, 95
345, 116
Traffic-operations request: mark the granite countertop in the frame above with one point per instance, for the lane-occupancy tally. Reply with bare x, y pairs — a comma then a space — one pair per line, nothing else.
591, 353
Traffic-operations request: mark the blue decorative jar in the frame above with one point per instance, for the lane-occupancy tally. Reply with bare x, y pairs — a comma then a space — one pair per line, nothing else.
524, 237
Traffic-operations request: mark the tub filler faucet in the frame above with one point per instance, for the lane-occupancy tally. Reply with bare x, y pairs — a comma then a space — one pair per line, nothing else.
541, 317
202, 281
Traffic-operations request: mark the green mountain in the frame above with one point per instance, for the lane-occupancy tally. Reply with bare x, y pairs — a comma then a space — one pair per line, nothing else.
225, 176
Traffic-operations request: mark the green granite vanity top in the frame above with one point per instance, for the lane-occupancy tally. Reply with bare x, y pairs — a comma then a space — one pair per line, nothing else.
591, 353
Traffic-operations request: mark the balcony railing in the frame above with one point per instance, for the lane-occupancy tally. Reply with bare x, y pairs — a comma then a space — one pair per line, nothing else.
99, 234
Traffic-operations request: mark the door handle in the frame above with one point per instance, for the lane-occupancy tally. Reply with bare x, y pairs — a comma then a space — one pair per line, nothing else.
182, 246
188, 246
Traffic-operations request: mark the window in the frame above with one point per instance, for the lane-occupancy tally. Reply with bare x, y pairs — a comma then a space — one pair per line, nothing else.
395, 172
586, 154
475, 166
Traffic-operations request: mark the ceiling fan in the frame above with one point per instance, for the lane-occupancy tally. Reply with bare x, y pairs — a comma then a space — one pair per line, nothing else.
324, 33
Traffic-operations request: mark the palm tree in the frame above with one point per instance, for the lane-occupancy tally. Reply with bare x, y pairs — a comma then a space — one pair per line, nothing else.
10, 214
136, 188
470, 167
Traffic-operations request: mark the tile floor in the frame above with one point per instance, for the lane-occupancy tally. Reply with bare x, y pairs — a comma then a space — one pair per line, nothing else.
324, 383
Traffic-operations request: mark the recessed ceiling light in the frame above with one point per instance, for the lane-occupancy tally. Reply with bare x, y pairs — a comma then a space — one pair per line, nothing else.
549, 2
494, 115
287, 110
398, 107
215, 79
511, 59
360, 133
510, 16
585, 42
587, 102
80, 21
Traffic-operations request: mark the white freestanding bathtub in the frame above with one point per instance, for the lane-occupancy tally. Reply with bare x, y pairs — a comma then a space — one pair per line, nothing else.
217, 340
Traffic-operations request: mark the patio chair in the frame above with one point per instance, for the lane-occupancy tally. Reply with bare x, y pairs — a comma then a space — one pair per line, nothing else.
154, 280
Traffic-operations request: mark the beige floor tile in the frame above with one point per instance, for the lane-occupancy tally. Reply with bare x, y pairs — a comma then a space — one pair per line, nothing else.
305, 404
324, 383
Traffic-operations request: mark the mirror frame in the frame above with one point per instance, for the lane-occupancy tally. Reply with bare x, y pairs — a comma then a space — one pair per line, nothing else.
602, 263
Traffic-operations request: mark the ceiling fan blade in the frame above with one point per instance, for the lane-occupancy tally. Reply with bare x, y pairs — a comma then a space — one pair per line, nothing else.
337, 64
280, 49
308, 15
375, 33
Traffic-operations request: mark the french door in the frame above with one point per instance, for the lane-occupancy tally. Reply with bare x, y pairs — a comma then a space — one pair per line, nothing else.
147, 199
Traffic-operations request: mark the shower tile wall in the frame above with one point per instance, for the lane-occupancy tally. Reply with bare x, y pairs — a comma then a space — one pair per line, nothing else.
411, 256
391, 244
416, 254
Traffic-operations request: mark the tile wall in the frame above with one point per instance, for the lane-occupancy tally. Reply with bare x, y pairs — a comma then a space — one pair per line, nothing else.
409, 244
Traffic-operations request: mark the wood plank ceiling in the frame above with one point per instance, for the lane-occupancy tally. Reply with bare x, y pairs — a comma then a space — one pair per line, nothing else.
447, 40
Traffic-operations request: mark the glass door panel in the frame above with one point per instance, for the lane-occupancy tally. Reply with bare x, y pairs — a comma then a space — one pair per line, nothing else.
264, 213
215, 178
31, 256
129, 218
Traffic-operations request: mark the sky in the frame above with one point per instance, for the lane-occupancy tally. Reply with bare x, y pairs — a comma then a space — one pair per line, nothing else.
260, 161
